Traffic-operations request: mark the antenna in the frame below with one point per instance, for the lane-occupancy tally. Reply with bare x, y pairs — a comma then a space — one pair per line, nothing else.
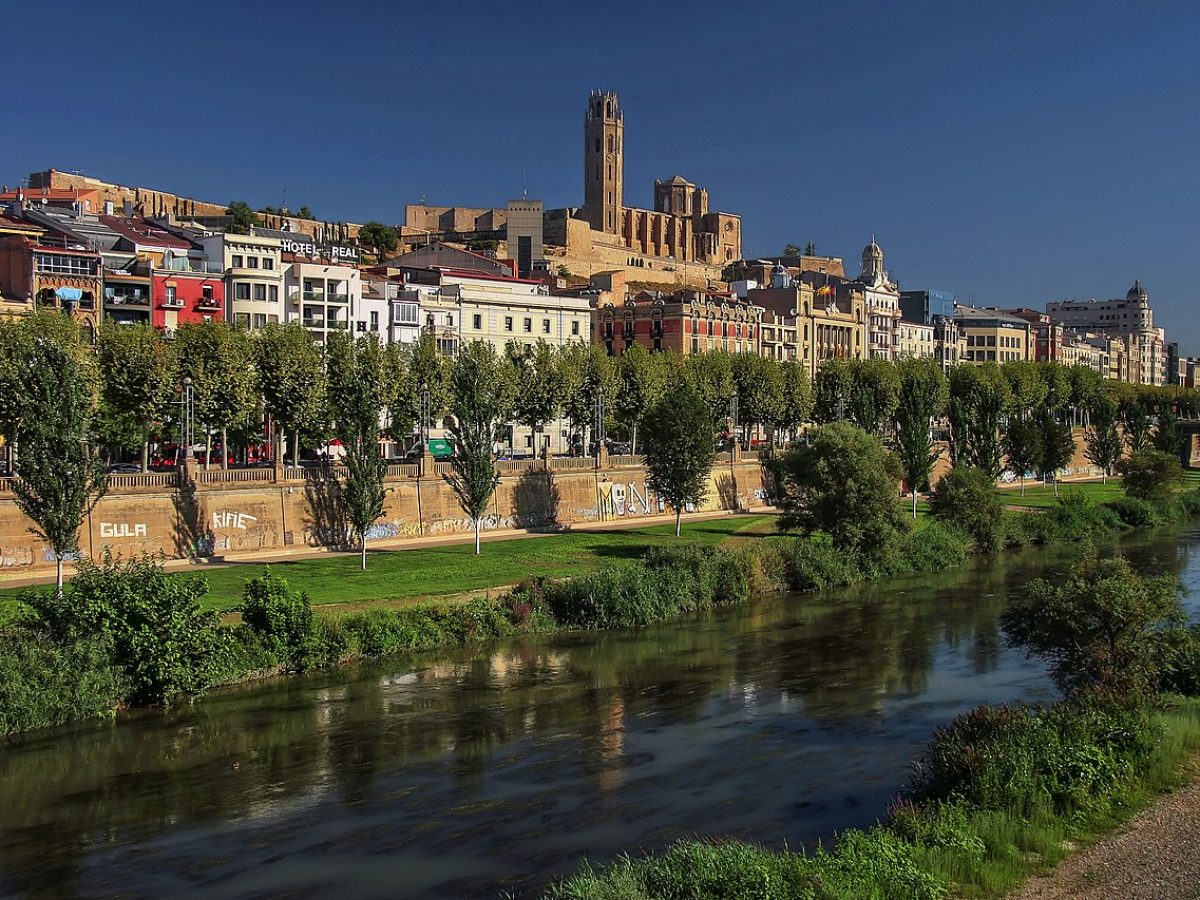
524, 184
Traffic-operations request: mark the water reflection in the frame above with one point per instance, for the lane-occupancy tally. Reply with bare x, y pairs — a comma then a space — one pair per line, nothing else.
484, 771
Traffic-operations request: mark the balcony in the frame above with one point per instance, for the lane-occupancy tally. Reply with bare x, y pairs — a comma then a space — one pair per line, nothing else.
338, 298
128, 300
208, 303
172, 303
309, 322
313, 296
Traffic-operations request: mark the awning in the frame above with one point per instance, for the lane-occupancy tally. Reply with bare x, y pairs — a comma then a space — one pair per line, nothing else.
69, 294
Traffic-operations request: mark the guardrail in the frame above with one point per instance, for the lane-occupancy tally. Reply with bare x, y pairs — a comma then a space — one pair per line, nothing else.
567, 463
626, 460
403, 470
6, 485
517, 466
144, 479
214, 476
313, 473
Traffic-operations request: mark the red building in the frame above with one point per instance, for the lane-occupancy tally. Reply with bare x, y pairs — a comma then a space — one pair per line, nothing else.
686, 321
183, 286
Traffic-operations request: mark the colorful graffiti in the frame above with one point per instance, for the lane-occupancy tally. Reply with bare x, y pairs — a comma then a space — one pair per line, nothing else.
624, 499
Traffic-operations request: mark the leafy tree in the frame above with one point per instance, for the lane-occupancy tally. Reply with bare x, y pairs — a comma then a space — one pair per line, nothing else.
1026, 385
355, 373
478, 409
1087, 388
139, 378
978, 397
874, 393
291, 381
922, 398
831, 391
1058, 385
282, 618
14, 352
1100, 630
679, 448
1137, 426
1151, 475
400, 393
842, 483
641, 379
711, 376
810, 249
588, 372
1058, 445
305, 213
1102, 440
796, 403
220, 361
61, 475
791, 250
381, 239
759, 386
541, 385
966, 497
1168, 437
430, 370
1023, 448
244, 218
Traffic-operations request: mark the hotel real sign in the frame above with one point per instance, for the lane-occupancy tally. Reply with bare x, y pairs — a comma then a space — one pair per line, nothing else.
301, 245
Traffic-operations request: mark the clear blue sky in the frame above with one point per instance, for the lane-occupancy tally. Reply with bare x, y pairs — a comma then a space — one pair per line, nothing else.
1013, 153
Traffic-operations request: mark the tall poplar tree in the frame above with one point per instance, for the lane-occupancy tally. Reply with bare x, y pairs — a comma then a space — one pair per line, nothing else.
291, 381
138, 376
922, 398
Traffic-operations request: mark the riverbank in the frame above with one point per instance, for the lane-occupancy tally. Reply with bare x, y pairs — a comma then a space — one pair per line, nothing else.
1153, 857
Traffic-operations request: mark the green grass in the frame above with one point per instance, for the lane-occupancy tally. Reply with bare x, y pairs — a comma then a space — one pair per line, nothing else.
405, 575
1038, 497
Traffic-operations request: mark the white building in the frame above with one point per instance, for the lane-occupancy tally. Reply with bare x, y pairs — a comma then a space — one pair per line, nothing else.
386, 299
1132, 321
882, 300
253, 277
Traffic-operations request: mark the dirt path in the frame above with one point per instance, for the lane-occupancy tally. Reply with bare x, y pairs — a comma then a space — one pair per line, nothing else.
1155, 857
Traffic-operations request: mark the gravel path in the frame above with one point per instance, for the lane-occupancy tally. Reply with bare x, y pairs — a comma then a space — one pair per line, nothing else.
1157, 855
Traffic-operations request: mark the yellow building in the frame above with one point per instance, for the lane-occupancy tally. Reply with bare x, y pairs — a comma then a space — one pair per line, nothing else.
988, 335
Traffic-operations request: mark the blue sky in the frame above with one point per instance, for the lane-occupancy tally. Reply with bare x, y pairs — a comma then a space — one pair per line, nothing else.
1013, 153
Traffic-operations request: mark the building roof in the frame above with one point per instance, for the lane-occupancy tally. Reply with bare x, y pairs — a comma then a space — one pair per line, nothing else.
144, 234
975, 315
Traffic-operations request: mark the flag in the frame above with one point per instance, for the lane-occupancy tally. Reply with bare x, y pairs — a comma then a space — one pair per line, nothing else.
827, 289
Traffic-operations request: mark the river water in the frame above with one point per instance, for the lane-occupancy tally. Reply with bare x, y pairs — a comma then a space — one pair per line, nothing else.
498, 769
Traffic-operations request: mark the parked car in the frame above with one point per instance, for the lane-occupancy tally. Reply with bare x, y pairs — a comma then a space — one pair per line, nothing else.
124, 469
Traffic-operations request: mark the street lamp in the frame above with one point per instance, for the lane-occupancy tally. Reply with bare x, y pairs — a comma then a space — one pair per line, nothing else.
426, 412
186, 417
733, 417
598, 433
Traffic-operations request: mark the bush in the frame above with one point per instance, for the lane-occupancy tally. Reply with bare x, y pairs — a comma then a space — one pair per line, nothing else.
44, 682
1180, 666
814, 564
1027, 759
281, 617
1137, 513
1073, 517
327, 645
150, 621
934, 547
1151, 475
966, 498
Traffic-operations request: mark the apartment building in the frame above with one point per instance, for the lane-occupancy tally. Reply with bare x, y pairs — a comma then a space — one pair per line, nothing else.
915, 339
989, 335
253, 277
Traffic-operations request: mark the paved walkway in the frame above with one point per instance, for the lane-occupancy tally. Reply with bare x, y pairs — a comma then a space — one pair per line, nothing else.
1155, 857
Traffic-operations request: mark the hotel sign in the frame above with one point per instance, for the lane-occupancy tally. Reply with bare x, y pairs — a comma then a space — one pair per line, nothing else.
302, 245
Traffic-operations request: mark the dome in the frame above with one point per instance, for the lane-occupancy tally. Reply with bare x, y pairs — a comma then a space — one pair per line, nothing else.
872, 250
1137, 292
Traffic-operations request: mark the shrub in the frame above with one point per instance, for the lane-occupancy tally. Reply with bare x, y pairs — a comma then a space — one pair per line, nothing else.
1137, 513
381, 632
1189, 501
150, 621
1151, 475
1032, 759
934, 547
45, 682
328, 644
1100, 630
1073, 517
1180, 666
966, 498
814, 564
281, 617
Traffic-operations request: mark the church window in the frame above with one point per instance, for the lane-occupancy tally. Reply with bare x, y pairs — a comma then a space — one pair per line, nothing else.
610, 143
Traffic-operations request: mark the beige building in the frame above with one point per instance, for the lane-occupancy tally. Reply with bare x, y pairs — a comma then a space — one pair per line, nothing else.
882, 298
253, 277
915, 340
1131, 321
988, 335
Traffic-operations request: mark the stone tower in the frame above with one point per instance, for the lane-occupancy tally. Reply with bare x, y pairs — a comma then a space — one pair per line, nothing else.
872, 263
603, 133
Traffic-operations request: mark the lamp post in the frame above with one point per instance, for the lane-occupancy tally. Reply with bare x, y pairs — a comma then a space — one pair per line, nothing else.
186, 417
598, 432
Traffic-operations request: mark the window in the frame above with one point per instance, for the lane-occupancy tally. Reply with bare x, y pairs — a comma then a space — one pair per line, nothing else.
449, 320
273, 292
528, 326
575, 328
236, 261
260, 320
268, 263
545, 326
251, 262
374, 320
407, 314
242, 320
508, 323
260, 292
241, 290
477, 322
170, 299
206, 293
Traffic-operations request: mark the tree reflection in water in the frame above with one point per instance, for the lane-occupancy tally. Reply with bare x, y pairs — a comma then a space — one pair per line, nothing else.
503, 766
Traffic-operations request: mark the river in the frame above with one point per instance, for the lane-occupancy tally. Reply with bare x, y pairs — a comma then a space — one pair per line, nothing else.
477, 772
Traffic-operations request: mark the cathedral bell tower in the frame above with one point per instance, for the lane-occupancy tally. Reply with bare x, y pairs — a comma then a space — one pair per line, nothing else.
603, 133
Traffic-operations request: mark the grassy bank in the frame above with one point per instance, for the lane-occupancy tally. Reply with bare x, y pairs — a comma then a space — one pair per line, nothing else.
1024, 791
431, 572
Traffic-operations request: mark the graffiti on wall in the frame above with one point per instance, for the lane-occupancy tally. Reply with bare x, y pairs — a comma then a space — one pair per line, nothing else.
487, 523
625, 499
239, 520
14, 557
123, 529
49, 555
